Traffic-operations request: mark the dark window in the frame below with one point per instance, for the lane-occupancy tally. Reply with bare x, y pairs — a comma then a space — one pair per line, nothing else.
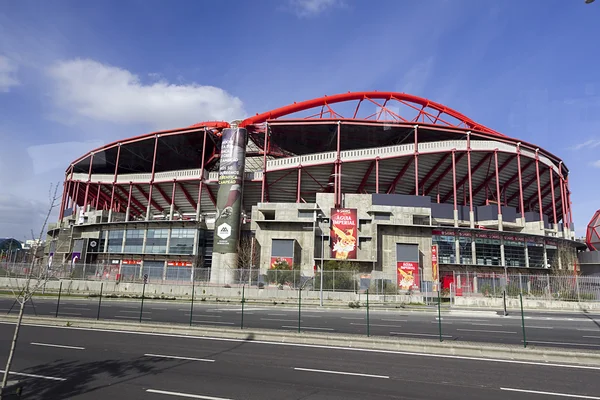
282, 248
407, 252
381, 217
182, 241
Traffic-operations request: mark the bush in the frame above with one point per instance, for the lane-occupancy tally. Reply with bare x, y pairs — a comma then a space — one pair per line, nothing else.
383, 286
354, 304
284, 274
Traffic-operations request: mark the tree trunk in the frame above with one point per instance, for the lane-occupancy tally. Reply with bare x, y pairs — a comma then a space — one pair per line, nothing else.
13, 346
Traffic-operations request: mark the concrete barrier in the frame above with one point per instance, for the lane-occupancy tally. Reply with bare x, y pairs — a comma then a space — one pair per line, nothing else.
341, 341
497, 303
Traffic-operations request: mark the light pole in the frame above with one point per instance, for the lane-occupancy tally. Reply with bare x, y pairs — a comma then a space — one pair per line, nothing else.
322, 257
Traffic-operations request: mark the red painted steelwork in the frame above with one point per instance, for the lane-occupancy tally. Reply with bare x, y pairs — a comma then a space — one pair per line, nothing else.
392, 187
466, 178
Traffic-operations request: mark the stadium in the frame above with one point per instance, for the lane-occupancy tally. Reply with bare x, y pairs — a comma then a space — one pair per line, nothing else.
397, 185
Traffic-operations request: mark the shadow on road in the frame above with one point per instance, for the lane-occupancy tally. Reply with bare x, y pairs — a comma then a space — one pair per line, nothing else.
87, 377
591, 318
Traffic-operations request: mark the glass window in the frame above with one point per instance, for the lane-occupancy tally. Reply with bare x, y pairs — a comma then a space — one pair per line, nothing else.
154, 270
536, 255
466, 251
156, 241
487, 251
179, 273
446, 248
134, 241
514, 254
182, 241
115, 241
130, 272
552, 254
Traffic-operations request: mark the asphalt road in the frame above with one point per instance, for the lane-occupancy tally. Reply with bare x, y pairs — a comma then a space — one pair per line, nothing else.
570, 330
61, 363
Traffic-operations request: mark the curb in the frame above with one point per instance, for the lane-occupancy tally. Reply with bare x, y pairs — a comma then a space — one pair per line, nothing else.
350, 341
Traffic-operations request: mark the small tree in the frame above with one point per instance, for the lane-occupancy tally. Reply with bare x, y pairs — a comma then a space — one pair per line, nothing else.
282, 273
337, 275
34, 280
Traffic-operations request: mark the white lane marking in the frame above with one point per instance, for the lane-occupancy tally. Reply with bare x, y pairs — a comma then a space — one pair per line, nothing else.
311, 316
445, 323
75, 308
57, 345
485, 331
161, 308
245, 313
205, 315
179, 357
462, 320
308, 327
68, 313
134, 311
278, 319
361, 319
387, 326
50, 378
395, 320
539, 327
315, 346
325, 371
592, 337
573, 396
132, 317
278, 315
188, 395
418, 334
487, 324
564, 343
214, 322
588, 330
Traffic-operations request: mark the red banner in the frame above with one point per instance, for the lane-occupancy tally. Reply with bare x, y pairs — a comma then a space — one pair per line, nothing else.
282, 262
434, 263
179, 263
408, 275
344, 233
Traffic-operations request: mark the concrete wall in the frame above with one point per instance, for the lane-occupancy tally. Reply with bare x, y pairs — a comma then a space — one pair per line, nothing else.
486, 302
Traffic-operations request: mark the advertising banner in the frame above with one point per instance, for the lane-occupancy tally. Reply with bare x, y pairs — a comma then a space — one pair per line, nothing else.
434, 264
408, 275
179, 263
229, 198
344, 233
281, 262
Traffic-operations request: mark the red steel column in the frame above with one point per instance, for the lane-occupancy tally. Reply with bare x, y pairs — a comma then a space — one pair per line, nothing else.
61, 213
98, 196
537, 174
338, 173
498, 191
152, 178
562, 197
569, 208
112, 194
552, 193
377, 174
264, 179
173, 196
454, 187
416, 154
198, 207
128, 212
471, 213
521, 201
87, 184
75, 198
299, 184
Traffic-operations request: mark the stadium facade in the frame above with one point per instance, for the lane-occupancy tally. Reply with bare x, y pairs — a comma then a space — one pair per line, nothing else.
394, 183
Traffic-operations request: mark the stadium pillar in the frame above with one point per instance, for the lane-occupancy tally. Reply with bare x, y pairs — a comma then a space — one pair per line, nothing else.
87, 184
98, 196
471, 213
338, 172
172, 208
201, 186
112, 195
500, 227
128, 211
416, 155
149, 208
299, 184
61, 212
562, 196
229, 205
264, 177
520, 173
454, 187
75, 198
377, 174
553, 198
539, 189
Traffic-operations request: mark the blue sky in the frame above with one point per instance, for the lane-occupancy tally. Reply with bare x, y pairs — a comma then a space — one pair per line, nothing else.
75, 75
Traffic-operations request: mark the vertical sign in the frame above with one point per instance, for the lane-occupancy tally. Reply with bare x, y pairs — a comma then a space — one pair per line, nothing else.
408, 275
435, 274
343, 233
229, 198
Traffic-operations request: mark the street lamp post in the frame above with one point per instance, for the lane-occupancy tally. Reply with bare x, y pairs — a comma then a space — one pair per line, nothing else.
322, 257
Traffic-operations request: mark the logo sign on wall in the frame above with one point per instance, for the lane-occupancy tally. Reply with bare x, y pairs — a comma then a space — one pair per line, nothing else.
282, 262
408, 275
344, 233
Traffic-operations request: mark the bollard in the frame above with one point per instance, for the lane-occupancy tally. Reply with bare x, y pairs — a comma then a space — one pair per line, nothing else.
142, 305
58, 301
299, 307
243, 301
440, 314
523, 321
368, 326
504, 300
192, 305
100, 300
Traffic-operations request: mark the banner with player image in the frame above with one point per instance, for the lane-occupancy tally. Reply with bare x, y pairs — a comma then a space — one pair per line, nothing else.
344, 233
408, 275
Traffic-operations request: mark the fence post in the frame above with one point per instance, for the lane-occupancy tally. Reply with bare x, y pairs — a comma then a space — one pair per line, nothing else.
192, 305
494, 283
520, 284
100, 300
577, 287
504, 301
333, 281
368, 326
299, 307
58, 300
440, 314
243, 301
549, 288
142, 305
523, 321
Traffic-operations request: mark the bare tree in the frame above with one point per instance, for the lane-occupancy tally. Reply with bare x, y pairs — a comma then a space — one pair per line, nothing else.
34, 280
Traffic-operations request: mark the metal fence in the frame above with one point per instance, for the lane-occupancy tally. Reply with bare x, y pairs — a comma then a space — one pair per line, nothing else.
542, 287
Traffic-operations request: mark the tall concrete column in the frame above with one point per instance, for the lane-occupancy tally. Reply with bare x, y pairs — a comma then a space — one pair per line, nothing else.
229, 205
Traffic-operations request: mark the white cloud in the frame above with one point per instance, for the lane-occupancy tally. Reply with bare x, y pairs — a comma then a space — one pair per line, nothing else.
102, 92
417, 77
596, 164
589, 144
308, 8
8, 72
